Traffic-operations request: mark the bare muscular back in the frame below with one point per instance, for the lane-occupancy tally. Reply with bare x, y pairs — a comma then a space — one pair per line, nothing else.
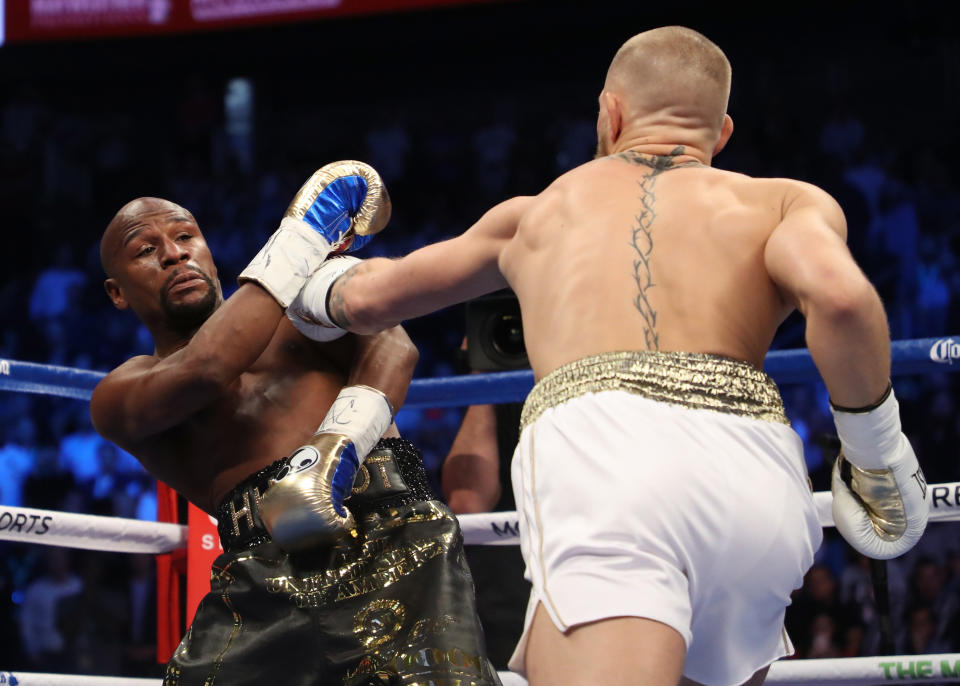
630, 252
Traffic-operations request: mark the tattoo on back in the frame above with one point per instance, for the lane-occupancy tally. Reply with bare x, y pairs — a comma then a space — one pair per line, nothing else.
642, 234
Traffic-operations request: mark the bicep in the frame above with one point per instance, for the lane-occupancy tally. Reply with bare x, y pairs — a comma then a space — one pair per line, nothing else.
468, 265
140, 399
807, 251
437, 275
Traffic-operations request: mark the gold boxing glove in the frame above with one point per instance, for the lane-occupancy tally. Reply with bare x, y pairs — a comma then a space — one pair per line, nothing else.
879, 491
338, 209
304, 505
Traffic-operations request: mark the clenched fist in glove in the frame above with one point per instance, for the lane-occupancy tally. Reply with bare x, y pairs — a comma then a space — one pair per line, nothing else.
879, 491
338, 209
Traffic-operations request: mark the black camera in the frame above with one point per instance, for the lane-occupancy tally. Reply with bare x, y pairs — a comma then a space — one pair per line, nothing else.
495, 333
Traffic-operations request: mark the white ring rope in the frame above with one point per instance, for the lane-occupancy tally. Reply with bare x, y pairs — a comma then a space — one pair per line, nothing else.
901, 669
116, 534
40, 679
92, 532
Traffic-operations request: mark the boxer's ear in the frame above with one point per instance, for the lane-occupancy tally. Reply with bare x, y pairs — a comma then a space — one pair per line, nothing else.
725, 132
614, 108
609, 122
115, 294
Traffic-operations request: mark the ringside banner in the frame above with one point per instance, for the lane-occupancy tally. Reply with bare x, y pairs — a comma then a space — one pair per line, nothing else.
33, 20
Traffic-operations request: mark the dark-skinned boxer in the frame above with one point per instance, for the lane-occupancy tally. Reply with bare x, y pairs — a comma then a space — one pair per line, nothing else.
339, 566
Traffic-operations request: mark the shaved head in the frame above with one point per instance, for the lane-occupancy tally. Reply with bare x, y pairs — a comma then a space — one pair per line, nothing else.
126, 218
159, 265
672, 72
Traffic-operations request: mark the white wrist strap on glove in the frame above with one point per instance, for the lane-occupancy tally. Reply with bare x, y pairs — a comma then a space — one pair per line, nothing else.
360, 413
286, 261
304, 506
879, 491
308, 311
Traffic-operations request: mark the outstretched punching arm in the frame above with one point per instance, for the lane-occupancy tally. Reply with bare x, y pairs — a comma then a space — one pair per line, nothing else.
380, 293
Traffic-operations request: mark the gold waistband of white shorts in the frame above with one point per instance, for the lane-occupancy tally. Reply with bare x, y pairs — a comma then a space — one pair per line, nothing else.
692, 380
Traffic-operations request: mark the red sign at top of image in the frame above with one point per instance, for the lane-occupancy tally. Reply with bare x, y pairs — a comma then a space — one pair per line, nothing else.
28, 20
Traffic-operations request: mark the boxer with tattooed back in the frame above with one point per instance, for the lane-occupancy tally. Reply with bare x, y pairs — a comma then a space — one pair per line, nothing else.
664, 506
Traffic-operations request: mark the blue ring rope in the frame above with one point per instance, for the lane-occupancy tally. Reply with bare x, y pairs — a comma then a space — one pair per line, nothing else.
917, 356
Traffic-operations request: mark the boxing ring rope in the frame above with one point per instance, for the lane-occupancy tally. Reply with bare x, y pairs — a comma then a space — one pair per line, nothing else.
856, 671
89, 532
115, 534
916, 356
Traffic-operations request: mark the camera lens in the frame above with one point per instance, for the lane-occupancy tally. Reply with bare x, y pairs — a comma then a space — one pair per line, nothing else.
495, 333
507, 336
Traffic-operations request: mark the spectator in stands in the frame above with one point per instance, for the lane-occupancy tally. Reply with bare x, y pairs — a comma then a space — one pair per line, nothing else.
820, 624
43, 642
11, 650
94, 623
17, 459
140, 656
921, 636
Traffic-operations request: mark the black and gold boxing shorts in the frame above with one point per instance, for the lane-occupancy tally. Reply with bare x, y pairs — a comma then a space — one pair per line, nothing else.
393, 605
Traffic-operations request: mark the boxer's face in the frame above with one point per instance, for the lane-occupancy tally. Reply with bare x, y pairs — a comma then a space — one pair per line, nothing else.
160, 266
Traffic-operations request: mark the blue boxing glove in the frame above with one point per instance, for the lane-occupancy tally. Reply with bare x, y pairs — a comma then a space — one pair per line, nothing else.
338, 209
303, 507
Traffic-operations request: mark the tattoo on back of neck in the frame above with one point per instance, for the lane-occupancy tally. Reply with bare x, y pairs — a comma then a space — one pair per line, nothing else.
642, 234
660, 163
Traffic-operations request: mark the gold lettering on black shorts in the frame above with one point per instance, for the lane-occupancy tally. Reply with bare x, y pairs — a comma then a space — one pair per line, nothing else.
377, 567
244, 512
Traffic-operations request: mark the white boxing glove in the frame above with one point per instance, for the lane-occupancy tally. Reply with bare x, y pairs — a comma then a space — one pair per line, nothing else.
339, 208
879, 491
308, 311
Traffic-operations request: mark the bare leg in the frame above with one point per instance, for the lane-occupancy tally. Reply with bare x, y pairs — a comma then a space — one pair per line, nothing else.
620, 650
755, 680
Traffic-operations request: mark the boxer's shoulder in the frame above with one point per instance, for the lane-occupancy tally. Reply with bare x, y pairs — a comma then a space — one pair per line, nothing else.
135, 364
782, 194
114, 384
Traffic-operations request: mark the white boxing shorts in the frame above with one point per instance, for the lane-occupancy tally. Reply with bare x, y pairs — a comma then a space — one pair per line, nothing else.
668, 486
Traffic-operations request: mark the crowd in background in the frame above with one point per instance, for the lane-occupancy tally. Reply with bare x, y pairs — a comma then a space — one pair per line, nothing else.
233, 152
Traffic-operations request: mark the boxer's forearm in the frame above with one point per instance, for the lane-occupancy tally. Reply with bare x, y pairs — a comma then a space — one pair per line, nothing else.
233, 338
144, 397
471, 471
849, 340
380, 293
353, 303
385, 361
471, 483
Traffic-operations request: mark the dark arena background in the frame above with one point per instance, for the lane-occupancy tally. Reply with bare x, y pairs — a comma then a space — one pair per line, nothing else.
226, 107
